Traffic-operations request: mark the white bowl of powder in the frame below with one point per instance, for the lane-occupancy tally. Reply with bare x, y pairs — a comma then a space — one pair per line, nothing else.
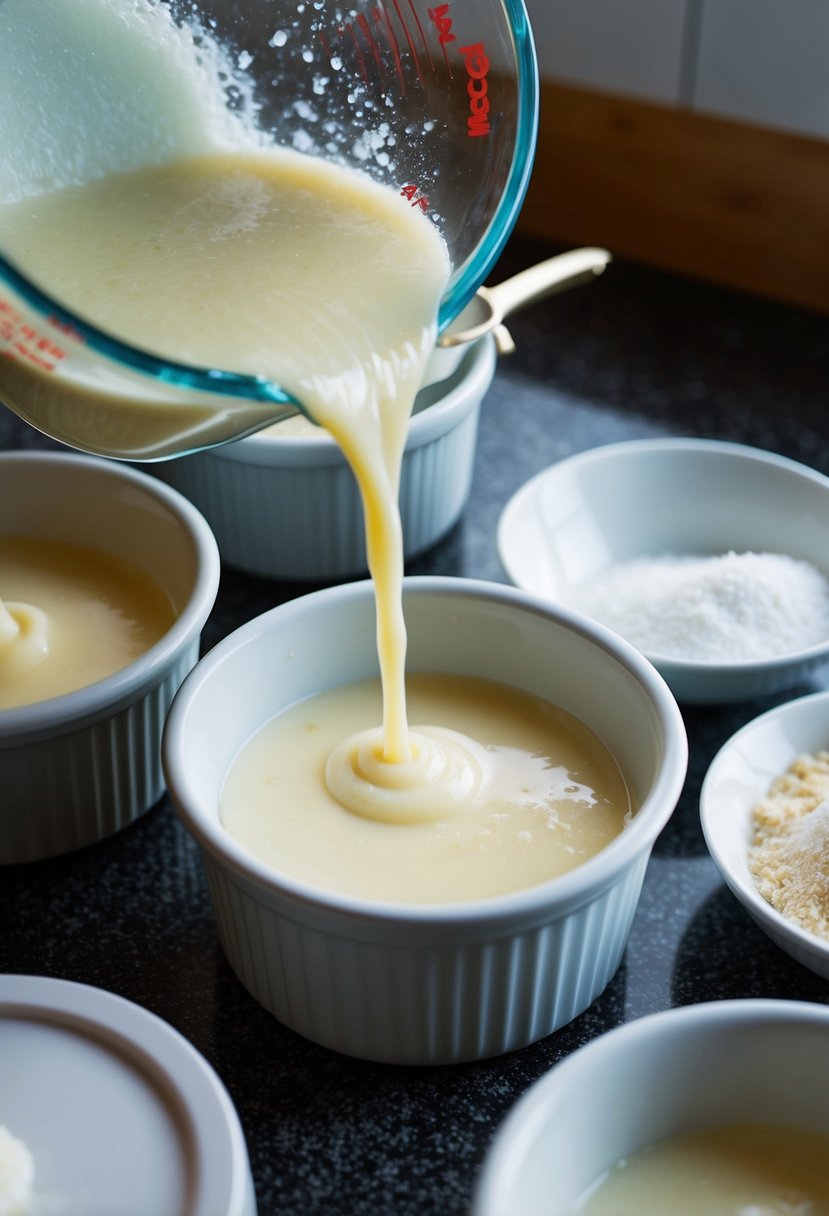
709, 557
766, 823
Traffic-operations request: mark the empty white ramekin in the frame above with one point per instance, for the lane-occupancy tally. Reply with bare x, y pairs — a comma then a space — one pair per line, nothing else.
288, 507
424, 984
78, 767
678, 1071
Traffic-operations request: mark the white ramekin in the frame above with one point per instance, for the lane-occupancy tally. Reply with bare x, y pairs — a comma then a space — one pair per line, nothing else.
678, 1071
288, 507
78, 767
424, 984
150, 1130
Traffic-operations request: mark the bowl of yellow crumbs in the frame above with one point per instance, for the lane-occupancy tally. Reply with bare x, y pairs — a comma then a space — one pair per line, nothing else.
764, 807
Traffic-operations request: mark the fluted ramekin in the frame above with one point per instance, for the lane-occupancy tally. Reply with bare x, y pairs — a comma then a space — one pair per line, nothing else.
288, 507
78, 767
682, 1070
424, 984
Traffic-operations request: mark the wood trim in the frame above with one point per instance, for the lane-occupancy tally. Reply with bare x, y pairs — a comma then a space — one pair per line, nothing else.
740, 205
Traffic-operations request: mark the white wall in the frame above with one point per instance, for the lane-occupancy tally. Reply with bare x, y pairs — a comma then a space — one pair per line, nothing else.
607, 44
760, 61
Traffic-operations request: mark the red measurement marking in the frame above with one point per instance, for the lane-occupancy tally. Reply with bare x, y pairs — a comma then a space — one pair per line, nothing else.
412, 193
382, 19
65, 328
365, 30
24, 340
361, 62
326, 46
443, 23
477, 67
402, 21
359, 40
422, 35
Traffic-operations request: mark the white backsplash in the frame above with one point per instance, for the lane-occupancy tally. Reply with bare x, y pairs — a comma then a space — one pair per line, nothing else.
617, 46
759, 61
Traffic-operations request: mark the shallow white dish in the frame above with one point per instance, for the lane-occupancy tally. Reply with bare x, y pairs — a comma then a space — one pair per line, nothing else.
652, 497
424, 983
738, 777
78, 767
672, 1072
288, 507
120, 1113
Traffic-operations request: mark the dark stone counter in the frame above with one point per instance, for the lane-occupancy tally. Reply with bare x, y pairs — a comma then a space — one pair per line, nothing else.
636, 354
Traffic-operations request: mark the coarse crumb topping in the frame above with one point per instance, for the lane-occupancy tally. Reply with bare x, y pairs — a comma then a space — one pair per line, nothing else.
789, 853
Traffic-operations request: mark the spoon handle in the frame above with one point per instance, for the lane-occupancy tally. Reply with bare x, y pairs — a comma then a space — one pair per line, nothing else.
544, 279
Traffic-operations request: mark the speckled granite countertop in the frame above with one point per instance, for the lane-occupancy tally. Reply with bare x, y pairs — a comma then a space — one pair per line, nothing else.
636, 354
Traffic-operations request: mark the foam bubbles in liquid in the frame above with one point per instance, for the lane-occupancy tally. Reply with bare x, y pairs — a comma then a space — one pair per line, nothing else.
91, 87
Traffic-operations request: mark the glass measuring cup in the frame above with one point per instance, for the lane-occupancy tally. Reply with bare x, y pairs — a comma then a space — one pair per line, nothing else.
438, 101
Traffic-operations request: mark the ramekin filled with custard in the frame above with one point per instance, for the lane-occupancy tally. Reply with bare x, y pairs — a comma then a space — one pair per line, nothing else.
449, 892
106, 580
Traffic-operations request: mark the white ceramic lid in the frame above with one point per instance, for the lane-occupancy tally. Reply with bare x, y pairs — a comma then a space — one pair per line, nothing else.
121, 1114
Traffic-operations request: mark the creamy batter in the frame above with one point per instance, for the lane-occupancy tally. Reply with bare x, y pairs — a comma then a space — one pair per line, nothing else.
740, 1170
541, 795
70, 617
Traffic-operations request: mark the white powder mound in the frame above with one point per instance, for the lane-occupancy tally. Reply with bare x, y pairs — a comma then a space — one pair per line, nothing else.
731, 608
